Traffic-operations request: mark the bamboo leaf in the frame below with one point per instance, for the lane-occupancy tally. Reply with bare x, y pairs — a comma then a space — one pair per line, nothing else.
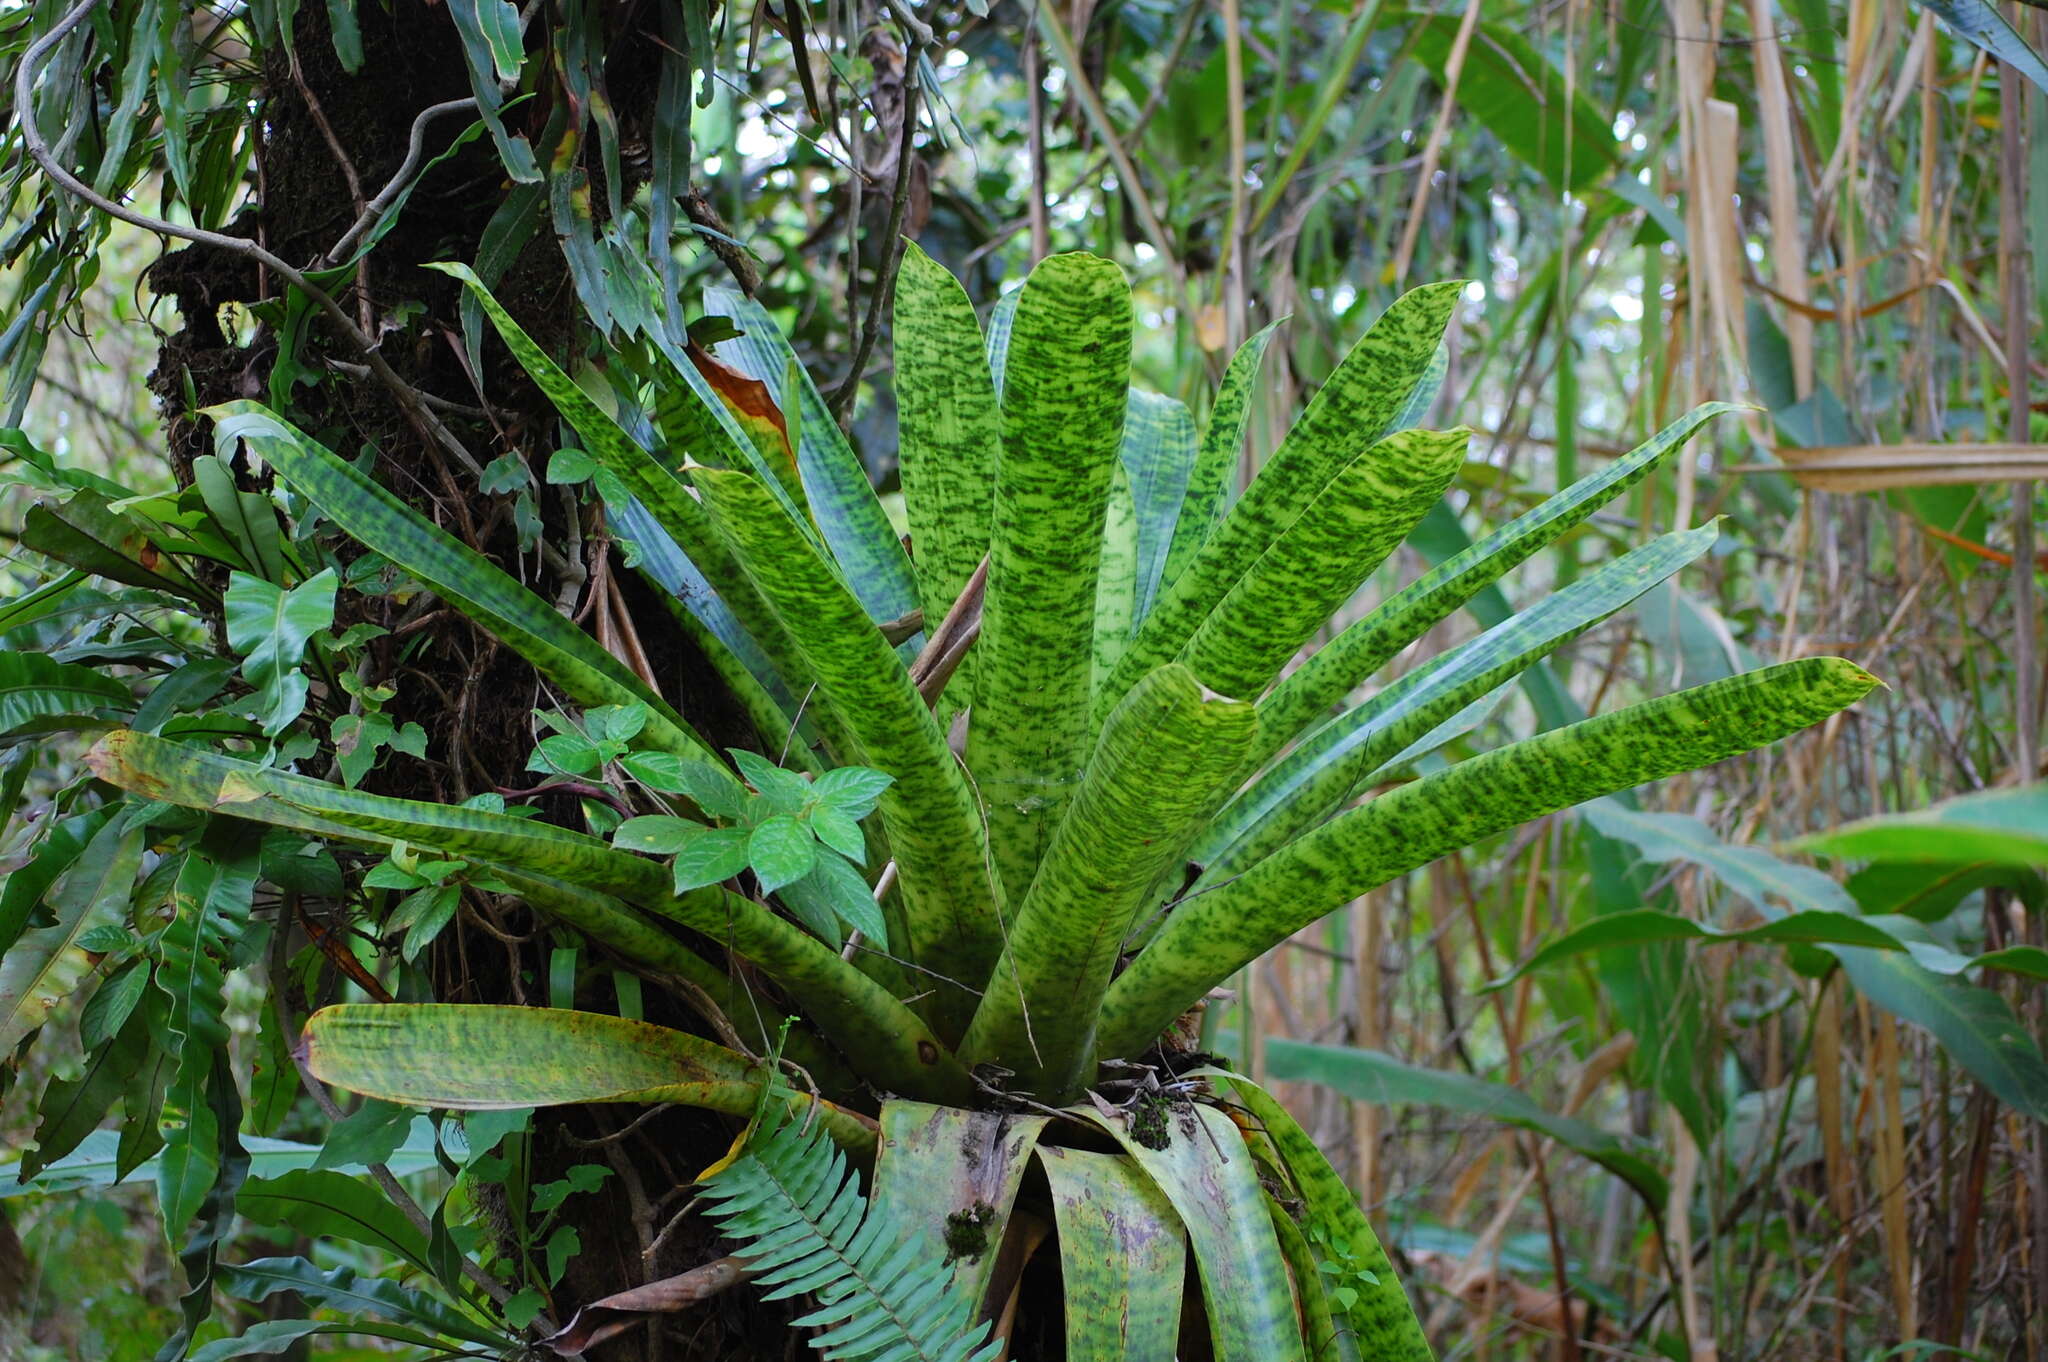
1066, 385
1208, 937
1123, 1257
1369, 1076
465, 579
1347, 414
2003, 827
1165, 761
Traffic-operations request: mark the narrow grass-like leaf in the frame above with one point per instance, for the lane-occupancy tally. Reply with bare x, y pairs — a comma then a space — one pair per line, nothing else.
1063, 407
1166, 759
950, 434
1195, 1156
1209, 936
1324, 679
1320, 560
1369, 1076
464, 578
1335, 761
1212, 477
474, 1057
1347, 414
852, 1010
1123, 1257
943, 914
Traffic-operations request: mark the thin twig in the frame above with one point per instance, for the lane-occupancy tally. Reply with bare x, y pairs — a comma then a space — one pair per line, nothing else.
377, 207
892, 242
38, 147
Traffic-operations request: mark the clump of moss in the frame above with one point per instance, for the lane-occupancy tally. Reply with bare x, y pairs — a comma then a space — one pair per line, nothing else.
1149, 1125
967, 1232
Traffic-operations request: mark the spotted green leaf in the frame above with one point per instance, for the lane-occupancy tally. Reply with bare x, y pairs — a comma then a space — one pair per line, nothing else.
1067, 381
1123, 1257
1165, 761
1347, 414
1208, 937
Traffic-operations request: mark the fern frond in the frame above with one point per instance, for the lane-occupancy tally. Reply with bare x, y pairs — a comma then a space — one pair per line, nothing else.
882, 1295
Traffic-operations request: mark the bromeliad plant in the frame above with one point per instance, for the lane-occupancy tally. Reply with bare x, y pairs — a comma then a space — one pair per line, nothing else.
997, 867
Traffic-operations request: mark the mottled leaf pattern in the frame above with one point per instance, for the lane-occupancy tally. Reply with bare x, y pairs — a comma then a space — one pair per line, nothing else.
1206, 938
1123, 1257
1063, 410
1167, 758
1321, 559
1368, 645
950, 434
1346, 415
1215, 467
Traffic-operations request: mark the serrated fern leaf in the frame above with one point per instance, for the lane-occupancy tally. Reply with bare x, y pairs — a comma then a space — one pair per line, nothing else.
882, 1295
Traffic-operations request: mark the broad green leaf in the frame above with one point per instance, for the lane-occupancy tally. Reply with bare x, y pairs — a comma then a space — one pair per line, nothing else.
72, 1107
458, 574
1195, 1156
23, 890
1381, 1320
1166, 760
247, 519
852, 790
210, 901
323, 1204
1344, 756
96, 1161
951, 1178
942, 915
657, 835
1347, 414
1215, 467
36, 688
712, 858
1369, 1076
1123, 1257
1066, 386
271, 628
2002, 827
779, 850
1208, 937
45, 964
86, 533
568, 868
832, 892
274, 1336
1319, 561
1329, 675
950, 435
1520, 96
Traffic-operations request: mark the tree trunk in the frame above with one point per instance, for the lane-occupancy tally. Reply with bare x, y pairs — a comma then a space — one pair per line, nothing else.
330, 140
